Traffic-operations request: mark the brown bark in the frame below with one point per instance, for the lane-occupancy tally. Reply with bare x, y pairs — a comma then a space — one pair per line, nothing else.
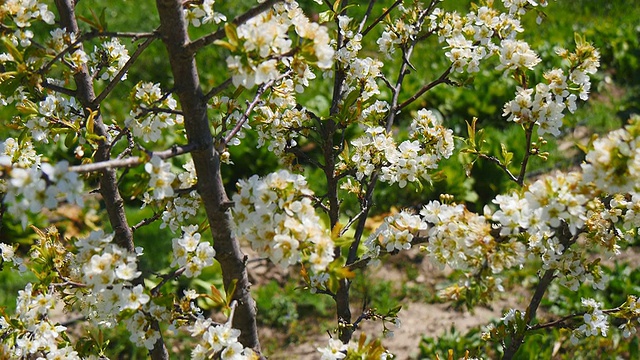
173, 31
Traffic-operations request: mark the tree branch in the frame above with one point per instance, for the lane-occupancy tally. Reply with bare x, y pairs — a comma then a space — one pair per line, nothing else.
443, 79
132, 161
216, 90
256, 99
146, 221
527, 154
89, 36
381, 17
166, 278
146, 110
566, 239
366, 15
497, 161
206, 159
60, 89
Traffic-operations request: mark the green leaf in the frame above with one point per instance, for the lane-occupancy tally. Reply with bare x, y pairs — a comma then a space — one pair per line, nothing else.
95, 139
394, 311
480, 139
580, 40
506, 155
91, 121
471, 131
23, 135
336, 6
70, 139
15, 53
11, 85
216, 296
232, 34
634, 348
344, 273
103, 19
231, 289
326, 16
225, 44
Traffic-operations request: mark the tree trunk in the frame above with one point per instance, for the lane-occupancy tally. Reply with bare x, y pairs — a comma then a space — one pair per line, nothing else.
173, 31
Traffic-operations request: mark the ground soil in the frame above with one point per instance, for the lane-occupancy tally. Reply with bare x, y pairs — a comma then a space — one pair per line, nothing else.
418, 318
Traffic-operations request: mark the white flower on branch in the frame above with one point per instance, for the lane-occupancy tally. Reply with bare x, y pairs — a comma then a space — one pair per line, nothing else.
161, 178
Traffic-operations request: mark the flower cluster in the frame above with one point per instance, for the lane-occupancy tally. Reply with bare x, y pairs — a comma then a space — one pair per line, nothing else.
191, 253
265, 43
463, 240
364, 349
517, 55
334, 350
41, 186
160, 178
352, 42
277, 129
108, 271
544, 105
595, 321
276, 216
199, 13
400, 31
31, 331
218, 339
180, 208
396, 233
152, 112
54, 111
23, 13
428, 143
632, 309
109, 58
470, 38
362, 75
614, 163
18, 154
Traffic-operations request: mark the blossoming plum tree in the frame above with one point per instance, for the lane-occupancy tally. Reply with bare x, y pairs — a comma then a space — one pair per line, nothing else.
59, 71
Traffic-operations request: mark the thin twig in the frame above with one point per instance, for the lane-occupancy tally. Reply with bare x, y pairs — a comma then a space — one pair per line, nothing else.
166, 278
146, 221
60, 89
497, 161
117, 34
89, 36
252, 104
527, 154
351, 221
365, 315
366, 15
132, 161
443, 79
384, 14
301, 154
72, 321
147, 110
216, 90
